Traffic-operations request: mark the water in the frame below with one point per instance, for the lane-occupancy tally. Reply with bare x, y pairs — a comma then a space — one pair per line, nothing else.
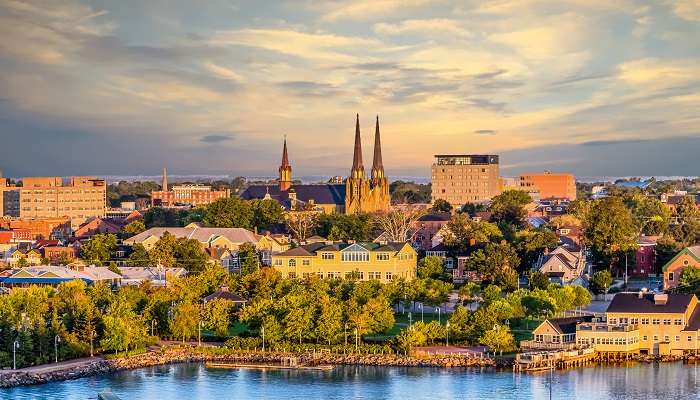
194, 381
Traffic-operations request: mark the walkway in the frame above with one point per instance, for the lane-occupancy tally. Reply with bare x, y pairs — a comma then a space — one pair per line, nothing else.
53, 367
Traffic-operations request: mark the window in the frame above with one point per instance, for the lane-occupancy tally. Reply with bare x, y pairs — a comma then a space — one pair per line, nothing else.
645, 338
678, 322
327, 256
292, 275
656, 338
292, 262
645, 321
383, 257
278, 262
375, 275
388, 276
306, 275
678, 338
306, 263
355, 256
655, 321
667, 322
666, 338
612, 321
670, 276
690, 338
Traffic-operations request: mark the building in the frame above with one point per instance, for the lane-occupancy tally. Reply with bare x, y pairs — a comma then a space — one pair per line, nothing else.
9, 198
645, 257
186, 195
461, 179
555, 334
548, 185
361, 261
658, 324
358, 194
38, 228
48, 197
686, 258
225, 238
426, 227
48, 275
56, 254
96, 225
155, 276
562, 265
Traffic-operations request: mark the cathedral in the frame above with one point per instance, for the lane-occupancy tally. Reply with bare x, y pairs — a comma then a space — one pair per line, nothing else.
359, 194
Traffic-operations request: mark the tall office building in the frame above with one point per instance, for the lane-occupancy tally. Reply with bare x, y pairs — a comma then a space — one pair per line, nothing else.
47, 197
465, 178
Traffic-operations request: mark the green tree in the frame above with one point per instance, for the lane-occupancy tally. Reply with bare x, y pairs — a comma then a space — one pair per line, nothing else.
538, 304
266, 213
66, 258
248, 259
431, 267
163, 217
499, 338
610, 228
229, 213
189, 255
139, 257
217, 316
133, 229
345, 227
652, 215
462, 233
690, 276
582, 297
538, 280
497, 262
530, 243
99, 248
185, 321
509, 207
441, 206
330, 319
600, 281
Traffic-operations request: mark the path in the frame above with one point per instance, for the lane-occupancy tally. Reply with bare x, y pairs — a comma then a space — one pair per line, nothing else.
53, 367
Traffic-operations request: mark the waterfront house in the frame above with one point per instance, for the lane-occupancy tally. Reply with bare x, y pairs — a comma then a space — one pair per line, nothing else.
362, 261
555, 334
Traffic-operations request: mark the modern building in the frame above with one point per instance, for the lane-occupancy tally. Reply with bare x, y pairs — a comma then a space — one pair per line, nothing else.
49, 275
186, 195
686, 258
548, 185
9, 198
359, 193
467, 178
48, 197
362, 261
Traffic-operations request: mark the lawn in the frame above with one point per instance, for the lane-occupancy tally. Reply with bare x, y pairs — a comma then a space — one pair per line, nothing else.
522, 328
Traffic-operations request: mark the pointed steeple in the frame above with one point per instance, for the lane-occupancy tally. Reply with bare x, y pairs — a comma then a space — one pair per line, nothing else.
358, 170
377, 165
165, 180
285, 177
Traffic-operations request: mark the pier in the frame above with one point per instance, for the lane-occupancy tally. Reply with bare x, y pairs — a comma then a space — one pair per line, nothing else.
546, 360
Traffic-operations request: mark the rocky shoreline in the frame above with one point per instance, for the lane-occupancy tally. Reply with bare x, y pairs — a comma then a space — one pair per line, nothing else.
10, 379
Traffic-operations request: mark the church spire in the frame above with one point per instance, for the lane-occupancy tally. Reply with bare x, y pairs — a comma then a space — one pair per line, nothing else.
377, 165
164, 185
285, 177
358, 170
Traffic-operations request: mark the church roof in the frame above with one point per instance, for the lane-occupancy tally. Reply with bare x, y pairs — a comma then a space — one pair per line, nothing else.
320, 194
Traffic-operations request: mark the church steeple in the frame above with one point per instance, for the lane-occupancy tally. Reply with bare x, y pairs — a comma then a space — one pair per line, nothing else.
377, 165
358, 170
164, 185
285, 179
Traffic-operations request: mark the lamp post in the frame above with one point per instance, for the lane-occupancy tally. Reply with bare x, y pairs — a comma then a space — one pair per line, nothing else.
15, 346
410, 318
447, 334
357, 340
263, 338
439, 314
92, 337
56, 341
153, 323
346, 334
199, 337
421, 312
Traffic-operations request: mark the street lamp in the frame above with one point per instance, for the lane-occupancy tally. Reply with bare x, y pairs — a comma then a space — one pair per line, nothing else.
357, 340
15, 346
447, 334
439, 316
92, 337
153, 323
56, 341
263, 338
421, 312
346, 334
199, 337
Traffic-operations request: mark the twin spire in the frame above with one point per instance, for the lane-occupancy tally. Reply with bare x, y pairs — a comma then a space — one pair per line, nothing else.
358, 169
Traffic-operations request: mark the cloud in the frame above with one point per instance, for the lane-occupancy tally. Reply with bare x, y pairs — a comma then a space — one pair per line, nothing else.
216, 138
687, 9
426, 27
598, 143
658, 72
371, 9
485, 132
309, 89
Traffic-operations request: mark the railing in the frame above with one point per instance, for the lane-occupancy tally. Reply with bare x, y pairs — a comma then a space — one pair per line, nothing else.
603, 327
533, 345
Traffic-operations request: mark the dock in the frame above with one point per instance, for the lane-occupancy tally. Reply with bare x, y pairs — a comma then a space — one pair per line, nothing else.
269, 366
545, 360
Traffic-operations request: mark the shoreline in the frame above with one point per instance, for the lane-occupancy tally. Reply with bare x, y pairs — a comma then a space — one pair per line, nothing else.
184, 355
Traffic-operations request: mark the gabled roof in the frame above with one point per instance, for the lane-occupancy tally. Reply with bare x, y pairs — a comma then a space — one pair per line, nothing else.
202, 235
631, 302
693, 251
567, 325
435, 217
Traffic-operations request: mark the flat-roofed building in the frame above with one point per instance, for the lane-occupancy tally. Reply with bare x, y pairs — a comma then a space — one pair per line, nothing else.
466, 178
548, 185
186, 194
9, 198
30, 229
362, 261
47, 197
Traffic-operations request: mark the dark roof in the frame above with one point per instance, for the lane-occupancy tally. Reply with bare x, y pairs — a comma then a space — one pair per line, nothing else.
439, 247
557, 274
568, 325
226, 295
320, 194
435, 217
694, 321
632, 303
312, 248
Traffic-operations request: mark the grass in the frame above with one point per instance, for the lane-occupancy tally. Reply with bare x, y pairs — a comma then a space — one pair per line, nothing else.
522, 328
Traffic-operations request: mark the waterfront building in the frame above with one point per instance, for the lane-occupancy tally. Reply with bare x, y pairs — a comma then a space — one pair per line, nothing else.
47, 197
358, 193
689, 257
362, 261
555, 334
186, 195
548, 185
49, 275
465, 178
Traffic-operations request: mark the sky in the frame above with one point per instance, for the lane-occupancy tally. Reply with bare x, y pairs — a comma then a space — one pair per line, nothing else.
591, 87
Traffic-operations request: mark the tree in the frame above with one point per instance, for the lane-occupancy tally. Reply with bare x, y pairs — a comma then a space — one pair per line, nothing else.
330, 320
431, 267
530, 243
409, 338
509, 207
189, 255
266, 213
397, 223
163, 251
496, 262
435, 292
600, 282
301, 223
133, 229
159, 217
248, 259
66, 258
610, 228
459, 323
538, 304
498, 339
229, 212
652, 215
468, 291
690, 276
538, 280
358, 227
99, 248
217, 316
185, 321
582, 297
462, 233
441, 206
139, 257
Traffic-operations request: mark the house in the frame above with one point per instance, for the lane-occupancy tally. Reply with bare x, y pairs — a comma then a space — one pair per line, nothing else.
53, 275
425, 228
646, 323
97, 225
645, 257
561, 265
441, 251
226, 258
686, 258
224, 294
361, 261
555, 334
156, 276
227, 238
272, 244
32, 257
56, 254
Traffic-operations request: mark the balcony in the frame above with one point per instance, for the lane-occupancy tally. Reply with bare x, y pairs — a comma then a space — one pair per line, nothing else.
533, 345
603, 327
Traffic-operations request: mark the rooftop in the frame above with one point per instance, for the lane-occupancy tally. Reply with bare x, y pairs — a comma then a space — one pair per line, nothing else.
645, 304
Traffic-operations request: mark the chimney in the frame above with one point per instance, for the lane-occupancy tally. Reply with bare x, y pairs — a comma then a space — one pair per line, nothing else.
660, 299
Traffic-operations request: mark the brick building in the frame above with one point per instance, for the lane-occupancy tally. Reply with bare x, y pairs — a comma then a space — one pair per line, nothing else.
461, 179
186, 195
548, 185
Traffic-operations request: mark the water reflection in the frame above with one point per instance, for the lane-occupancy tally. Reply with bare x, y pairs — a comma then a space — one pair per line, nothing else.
195, 381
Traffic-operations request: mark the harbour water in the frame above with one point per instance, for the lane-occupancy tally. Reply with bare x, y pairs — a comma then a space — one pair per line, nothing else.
194, 381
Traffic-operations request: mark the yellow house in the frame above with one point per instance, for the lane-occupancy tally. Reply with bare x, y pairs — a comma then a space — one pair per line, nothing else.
363, 261
32, 256
555, 334
604, 337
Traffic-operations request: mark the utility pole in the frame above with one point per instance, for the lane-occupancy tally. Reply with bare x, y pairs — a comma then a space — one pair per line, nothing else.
447, 335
